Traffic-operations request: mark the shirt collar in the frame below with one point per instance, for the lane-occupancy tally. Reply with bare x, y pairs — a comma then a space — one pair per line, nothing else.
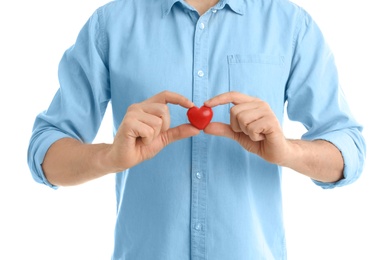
236, 6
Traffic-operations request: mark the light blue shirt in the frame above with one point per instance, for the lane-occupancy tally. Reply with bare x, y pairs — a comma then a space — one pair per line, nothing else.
203, 197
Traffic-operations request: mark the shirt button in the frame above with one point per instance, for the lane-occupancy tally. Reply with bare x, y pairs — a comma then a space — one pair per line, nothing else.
214, 11
200, 73
198, 175
198, 226
201, 26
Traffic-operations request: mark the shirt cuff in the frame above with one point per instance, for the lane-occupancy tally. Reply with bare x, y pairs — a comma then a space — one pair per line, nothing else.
353, 155
44, 144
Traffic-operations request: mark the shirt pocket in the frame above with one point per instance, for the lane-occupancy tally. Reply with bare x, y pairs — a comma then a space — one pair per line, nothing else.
258, 75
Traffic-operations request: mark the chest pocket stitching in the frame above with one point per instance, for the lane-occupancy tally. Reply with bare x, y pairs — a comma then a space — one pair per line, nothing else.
254, 74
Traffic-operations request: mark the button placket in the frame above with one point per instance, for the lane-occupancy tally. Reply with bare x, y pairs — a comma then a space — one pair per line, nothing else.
199, 143
198, 226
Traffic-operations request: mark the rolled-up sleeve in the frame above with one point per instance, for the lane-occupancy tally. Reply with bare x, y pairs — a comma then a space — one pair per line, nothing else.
79, 105
315, 98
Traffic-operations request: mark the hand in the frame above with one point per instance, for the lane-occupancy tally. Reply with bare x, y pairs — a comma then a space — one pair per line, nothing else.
145, 130
252, 124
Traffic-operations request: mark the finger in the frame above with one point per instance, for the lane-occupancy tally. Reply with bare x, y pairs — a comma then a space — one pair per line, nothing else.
140, 130
138, 111
256, 130
235, 125
219, 129
265, 127
246, 117
166, 97
178, 133
155, 122
243, 114
229, 97
159, 110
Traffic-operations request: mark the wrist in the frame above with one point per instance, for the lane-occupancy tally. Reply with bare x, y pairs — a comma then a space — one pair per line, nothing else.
291, 154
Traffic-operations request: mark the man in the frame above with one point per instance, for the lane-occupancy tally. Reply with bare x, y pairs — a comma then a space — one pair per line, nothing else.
183, 193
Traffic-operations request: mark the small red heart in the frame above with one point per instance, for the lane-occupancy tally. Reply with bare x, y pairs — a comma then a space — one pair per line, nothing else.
200, 117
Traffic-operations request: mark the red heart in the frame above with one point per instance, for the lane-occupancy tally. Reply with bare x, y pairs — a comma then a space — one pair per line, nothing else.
200, 117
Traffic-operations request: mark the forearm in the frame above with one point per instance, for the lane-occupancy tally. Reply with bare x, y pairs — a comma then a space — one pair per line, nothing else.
70, 162
319, 160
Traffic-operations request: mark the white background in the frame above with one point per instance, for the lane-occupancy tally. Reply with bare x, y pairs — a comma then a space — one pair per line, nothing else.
77, 223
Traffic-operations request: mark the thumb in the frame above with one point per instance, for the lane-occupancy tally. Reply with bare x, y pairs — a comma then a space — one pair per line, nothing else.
219, 129
178, 133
